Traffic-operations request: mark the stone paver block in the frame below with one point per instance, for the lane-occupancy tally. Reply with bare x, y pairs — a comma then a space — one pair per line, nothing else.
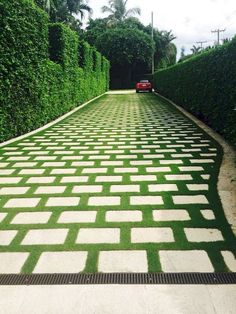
77, 217
94, 170
178, 177
141, 178
104, 201
98, 235
146, 200
190, 199
124, 188
32, 171
11, 263
170, 215
22, 203
87, 189
190, 168
45, 236
63, 171
39, 180
50, 190
6, 236
158, 169
2, 216
74, 179
185, 261
126, 170
208, 214
62, 201
162, 187
6, 180
61, 262
13, 190
230, 260
109, 179
31, 218
203, 235
124, 216
198, 187
152, 235
123, 261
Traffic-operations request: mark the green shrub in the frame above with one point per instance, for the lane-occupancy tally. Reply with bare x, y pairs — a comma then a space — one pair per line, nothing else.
205, 85
33, 89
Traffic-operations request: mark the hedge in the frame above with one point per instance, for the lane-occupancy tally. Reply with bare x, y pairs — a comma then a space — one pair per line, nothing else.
44, 70
205, 85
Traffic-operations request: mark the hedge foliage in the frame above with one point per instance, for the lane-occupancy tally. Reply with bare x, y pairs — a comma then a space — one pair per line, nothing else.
44, 69
205, 85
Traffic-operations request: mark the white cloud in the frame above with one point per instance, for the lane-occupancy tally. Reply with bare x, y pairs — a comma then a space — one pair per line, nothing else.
190, 20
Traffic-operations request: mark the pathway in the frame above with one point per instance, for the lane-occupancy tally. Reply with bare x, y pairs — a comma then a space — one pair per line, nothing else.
126, 184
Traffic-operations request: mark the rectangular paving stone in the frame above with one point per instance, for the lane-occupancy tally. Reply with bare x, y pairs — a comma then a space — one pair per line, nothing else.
230, 260
40, 180
104, 201
74, 179
141, 178
2, 216
207, 214
45, 236
13, 190
124, 216
178, 177
25, 164
185, 261
170, 215
94, 170
108, 179
171, 162
124, 188
112, 163
63, 171
146, 200
98, 235
3, 164
31, 218
6, 237
12, 263
77, 217
22, 203
203, 235
153, 156
125, 170
61, 262
50, 190
190, 199
152, 235
62, 201
7, 180
189, 168
87, 189
54, 164
72, 158
141, 162
158, 169
6, 172
32, 171
198, 187
162, 187
201, 161
123, 261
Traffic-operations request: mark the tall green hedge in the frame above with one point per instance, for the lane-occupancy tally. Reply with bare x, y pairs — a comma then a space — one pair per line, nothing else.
44, 69
206, 86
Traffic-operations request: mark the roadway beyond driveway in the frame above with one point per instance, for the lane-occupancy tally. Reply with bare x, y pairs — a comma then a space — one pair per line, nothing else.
126, 184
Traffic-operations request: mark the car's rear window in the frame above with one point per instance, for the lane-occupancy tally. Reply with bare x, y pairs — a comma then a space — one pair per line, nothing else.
144, 81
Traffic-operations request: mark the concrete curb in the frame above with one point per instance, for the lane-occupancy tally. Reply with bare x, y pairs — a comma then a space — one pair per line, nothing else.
227, 177
66, 115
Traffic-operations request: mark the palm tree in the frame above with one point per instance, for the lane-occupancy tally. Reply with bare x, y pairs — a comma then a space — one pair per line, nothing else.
118, 11
78, 7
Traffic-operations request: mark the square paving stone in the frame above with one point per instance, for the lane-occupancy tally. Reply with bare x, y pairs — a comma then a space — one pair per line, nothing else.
45, 236
62, 201
124, 216
6, 236
162, 187
31, 218
13, 190
230, 260
170, 215
190, 199
146, 200
152, 235
98, 235
123, 261
61, 262
87, 189
185, 261
124, 188
22, 203
77, 217
11, 263
203, 235
104, 201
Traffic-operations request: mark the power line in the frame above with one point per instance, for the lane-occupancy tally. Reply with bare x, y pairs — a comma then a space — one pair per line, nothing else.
218, 31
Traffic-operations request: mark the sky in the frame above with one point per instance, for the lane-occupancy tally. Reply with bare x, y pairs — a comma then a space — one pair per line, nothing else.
191, 21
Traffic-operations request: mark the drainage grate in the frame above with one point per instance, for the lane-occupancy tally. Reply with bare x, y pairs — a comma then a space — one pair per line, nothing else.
120, 278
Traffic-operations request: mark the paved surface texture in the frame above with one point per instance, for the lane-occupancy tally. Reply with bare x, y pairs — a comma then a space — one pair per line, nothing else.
127, 183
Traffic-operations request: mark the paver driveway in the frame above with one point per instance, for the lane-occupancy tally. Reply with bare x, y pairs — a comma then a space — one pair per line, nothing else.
126, 184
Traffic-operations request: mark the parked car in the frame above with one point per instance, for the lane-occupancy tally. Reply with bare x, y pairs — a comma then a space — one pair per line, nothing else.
143, 86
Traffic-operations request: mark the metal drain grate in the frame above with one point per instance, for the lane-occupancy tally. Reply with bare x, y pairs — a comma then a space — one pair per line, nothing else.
120, 278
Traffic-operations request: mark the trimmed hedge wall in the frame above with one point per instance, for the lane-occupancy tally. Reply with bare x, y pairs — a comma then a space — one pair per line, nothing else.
205, 85
45, 70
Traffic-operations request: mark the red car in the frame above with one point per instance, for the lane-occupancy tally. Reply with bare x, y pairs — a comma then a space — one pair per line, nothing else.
143, 86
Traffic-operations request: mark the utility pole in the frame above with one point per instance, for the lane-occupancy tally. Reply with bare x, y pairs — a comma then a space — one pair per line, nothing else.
153, 54
201, 43
218, 31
